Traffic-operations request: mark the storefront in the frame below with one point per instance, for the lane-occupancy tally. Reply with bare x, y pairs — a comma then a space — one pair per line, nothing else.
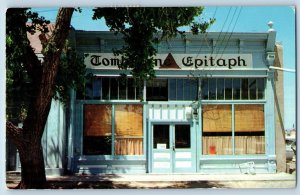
210, 109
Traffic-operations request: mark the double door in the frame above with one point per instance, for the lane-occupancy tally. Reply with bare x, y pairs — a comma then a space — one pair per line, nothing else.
172, 148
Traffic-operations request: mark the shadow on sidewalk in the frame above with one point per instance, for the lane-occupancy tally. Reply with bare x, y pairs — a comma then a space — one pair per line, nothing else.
108, 182
133, 185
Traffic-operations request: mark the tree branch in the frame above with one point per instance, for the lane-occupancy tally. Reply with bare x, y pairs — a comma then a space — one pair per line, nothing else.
40, 104
15, 134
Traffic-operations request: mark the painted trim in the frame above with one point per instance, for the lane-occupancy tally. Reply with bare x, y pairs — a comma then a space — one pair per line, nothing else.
70, 128
244, 73
113, 130
270, 114
81, 129
145, 133
233, 128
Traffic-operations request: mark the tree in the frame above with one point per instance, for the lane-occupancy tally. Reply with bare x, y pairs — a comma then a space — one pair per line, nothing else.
144, 28
25, 70
54, 76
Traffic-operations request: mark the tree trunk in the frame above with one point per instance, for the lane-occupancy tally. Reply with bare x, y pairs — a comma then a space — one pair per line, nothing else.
33, 168
28, 139
30, 150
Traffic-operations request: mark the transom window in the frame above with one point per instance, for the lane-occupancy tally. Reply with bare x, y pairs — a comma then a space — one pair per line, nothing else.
183, 89
110, 89
175, 89
233, 89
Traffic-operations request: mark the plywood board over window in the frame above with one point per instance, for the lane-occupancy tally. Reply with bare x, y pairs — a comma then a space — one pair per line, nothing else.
219, 145
129, 120
249, 118
97, 120
217, 118
129, 129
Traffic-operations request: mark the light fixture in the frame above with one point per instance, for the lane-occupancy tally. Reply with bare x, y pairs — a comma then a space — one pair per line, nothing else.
195, 109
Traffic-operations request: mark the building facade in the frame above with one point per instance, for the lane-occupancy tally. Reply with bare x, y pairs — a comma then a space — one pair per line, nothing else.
211, 109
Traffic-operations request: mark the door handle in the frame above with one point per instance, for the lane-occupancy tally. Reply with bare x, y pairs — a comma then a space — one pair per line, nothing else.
173, 147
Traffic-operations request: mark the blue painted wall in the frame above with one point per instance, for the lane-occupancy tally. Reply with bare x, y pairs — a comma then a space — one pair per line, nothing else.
57, 151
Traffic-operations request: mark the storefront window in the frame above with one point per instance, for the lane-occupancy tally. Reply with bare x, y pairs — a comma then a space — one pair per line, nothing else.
97, 85
261, 88
183, 89
179, 89
105, 88
236, 89
228, 89
252, 89
217, 129
157, 90
97, 130
204, 87
220, 89
212, 88
129, 129
172, 89
114, 89
131, 94
89, 91
193, 89
249, 129
245, 92
122, 89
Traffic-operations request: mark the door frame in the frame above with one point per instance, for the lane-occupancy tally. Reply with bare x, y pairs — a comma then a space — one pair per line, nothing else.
170, 151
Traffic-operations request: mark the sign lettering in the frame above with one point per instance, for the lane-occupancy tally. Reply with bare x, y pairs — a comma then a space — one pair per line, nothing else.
175, 61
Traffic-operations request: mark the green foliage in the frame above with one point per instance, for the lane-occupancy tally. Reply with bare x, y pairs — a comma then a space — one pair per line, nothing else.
143, 28
71, 74
19, 21
19, 80
18, 88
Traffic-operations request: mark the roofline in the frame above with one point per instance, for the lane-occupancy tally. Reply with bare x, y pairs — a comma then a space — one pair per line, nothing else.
189, 35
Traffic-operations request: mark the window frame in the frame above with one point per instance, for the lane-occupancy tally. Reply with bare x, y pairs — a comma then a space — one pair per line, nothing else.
259, 91
106, 92
112, 155
233, 132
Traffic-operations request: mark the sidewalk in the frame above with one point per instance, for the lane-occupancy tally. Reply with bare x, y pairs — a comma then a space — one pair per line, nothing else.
138, 181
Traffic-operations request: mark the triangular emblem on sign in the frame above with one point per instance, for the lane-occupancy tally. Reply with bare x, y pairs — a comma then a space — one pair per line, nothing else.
169, 62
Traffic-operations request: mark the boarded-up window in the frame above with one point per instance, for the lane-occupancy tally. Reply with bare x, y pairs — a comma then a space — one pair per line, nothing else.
249, 129
129, 129
217, 129
220, 145
217, 118
253, 144
97, 130
97, 120
249, 118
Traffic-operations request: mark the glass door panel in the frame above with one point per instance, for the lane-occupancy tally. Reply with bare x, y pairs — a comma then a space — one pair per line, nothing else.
161, 137
182, 136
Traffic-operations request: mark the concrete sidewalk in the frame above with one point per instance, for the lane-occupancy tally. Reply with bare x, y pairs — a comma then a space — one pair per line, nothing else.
177, 177
162, 181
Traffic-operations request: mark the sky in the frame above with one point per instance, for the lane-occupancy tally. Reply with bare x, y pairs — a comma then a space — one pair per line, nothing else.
228, 19
251, 19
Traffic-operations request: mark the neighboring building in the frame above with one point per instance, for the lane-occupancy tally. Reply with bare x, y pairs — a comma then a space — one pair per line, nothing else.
211, 109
